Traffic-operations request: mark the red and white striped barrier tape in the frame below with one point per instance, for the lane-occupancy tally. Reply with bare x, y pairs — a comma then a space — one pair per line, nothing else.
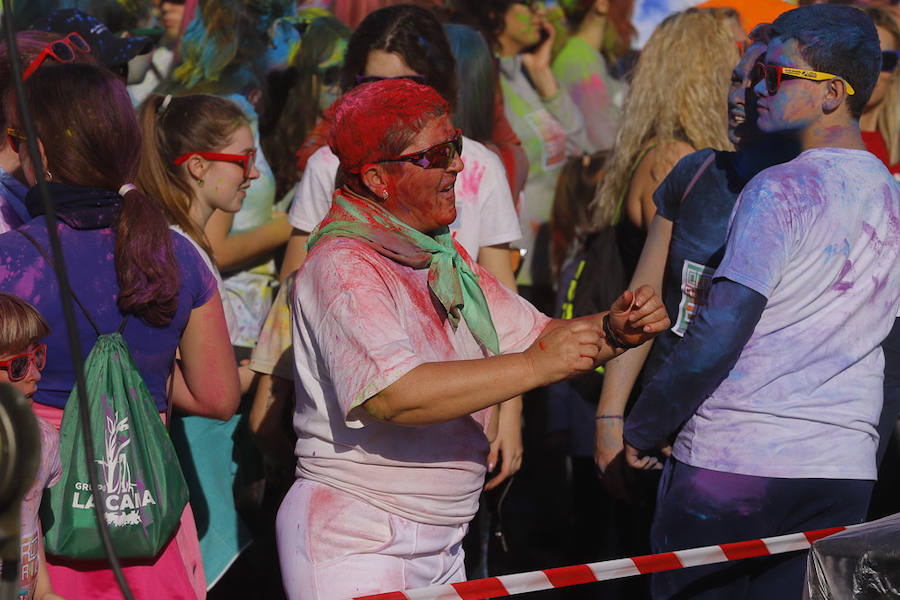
519, 583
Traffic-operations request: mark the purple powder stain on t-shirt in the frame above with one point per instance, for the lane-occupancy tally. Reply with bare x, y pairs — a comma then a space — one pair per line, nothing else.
27, 283
841, 285
879, 285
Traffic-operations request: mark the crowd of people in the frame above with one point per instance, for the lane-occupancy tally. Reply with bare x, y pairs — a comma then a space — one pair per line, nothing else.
437, 290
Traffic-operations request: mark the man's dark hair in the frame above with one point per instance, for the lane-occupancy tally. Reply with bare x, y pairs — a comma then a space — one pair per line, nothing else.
836, 39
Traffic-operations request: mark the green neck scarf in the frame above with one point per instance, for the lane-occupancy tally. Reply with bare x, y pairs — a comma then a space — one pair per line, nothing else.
450, 278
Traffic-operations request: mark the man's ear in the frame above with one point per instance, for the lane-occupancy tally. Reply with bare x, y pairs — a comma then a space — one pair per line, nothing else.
374, 177
836, 95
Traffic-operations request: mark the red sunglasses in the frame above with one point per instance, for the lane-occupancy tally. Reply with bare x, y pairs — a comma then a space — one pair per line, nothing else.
245, 160
17, 366
774, 74
62, 50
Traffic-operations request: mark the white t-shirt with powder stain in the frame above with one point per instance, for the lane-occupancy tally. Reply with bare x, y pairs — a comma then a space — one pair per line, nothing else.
361, 322
819, 237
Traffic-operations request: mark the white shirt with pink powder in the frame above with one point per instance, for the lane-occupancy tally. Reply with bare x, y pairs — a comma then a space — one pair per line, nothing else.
361, 322
485, 213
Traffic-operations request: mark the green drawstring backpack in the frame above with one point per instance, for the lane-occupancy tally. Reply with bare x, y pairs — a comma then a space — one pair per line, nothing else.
143, 489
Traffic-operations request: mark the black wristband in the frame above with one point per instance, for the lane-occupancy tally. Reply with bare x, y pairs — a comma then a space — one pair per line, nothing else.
611, 338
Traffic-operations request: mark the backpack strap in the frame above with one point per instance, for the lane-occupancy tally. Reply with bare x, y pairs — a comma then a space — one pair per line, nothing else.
71, 291
697, 175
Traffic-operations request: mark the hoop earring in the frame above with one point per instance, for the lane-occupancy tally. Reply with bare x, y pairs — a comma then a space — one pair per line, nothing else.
384, 194
49, 176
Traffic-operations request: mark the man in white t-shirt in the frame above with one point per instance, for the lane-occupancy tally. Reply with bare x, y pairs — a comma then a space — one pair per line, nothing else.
777, 384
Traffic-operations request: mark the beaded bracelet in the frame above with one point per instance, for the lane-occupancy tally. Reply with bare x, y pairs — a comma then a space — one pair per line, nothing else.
611, 336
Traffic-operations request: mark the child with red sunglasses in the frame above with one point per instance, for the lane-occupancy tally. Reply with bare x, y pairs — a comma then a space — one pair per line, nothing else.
21, 361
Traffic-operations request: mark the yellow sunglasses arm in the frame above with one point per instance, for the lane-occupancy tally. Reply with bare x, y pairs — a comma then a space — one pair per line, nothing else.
816, 76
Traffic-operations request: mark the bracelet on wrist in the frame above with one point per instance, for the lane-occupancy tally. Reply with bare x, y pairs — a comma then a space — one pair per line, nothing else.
601, 417
611, 338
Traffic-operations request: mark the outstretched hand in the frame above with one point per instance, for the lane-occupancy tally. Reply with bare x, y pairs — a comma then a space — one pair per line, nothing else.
568, 349
636, 317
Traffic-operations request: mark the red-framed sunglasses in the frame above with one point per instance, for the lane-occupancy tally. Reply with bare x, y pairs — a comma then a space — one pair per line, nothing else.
62, 50
245, 160
17, 366
438, 156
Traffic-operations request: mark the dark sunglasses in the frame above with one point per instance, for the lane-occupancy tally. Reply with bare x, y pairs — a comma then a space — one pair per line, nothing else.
889, 60
245, 160
773, 74
438, 156
17, 366
15, 138
62, 50
360, 79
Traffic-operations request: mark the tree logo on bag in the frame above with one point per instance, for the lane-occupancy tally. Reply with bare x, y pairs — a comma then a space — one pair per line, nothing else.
123, 499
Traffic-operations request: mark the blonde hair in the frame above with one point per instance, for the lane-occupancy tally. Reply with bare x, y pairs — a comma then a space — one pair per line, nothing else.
679, 92
888, 120
20, 324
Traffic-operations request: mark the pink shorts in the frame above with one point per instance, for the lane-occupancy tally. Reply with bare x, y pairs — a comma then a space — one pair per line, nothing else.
176, 573
333, 545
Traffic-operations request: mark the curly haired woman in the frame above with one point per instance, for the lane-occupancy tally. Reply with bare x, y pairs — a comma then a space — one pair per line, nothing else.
676, 104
